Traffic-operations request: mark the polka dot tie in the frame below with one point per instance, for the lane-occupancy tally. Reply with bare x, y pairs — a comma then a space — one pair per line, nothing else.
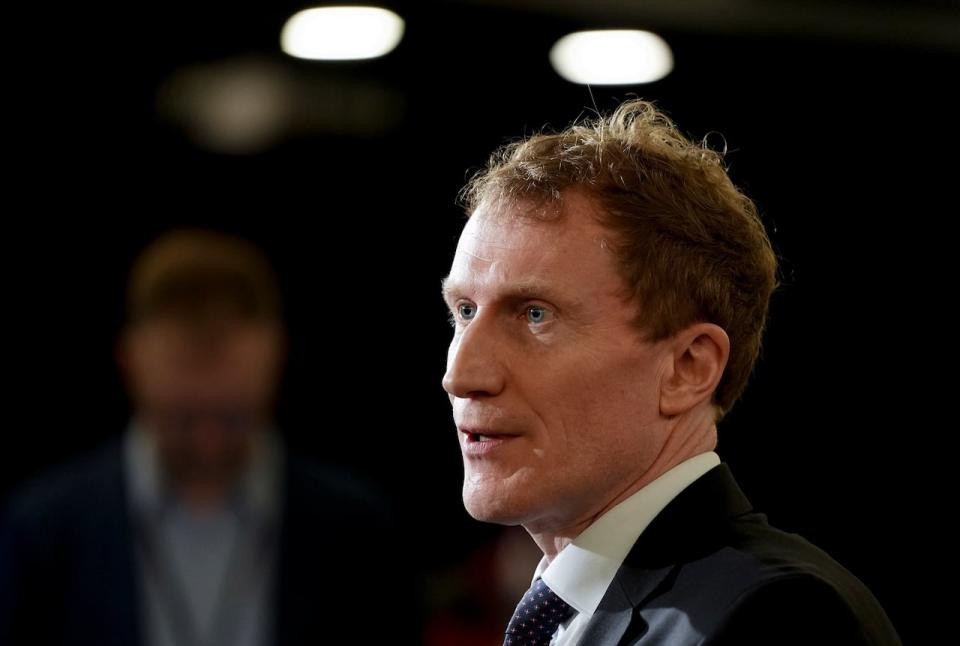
536, 618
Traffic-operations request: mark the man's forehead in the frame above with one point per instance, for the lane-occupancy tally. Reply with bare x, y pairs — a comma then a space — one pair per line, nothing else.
548, 225
493, 247
506, 229
520, 256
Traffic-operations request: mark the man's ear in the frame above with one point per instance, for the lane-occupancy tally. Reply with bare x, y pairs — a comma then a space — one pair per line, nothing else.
699, 354
121, 354
125, 347
283, 346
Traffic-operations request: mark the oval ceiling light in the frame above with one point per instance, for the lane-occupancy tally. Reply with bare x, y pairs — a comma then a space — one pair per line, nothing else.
612, 57
341, 33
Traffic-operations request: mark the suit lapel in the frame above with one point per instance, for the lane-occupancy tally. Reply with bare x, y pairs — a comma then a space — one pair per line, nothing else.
120, 575
106, 589
614, 615
690, 526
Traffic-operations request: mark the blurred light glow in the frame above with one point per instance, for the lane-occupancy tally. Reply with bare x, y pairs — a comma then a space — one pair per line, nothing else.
341, 33
612, 57
236, 106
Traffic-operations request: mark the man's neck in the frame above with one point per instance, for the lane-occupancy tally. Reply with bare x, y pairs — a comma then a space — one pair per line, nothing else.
202, 497
691, 436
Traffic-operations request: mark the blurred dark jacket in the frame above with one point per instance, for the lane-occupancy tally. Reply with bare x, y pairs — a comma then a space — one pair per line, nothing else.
69, 575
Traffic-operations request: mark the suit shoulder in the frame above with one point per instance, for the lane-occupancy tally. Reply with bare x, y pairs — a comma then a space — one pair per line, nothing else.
789, 584
755, 577
780, 555
66, 489
799, 609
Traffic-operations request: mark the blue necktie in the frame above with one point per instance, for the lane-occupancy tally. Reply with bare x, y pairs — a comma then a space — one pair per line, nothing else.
536, 618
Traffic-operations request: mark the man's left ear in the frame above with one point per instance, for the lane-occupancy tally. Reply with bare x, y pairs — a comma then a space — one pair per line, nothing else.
699, 355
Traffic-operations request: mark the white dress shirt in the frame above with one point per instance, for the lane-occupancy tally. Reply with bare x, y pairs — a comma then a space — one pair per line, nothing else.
583, 570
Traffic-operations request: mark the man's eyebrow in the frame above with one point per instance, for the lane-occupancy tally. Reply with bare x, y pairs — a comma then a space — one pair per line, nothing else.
521, 290
530, 289
448, 288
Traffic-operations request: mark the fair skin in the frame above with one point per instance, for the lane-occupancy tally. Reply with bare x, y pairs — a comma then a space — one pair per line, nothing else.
563, 408
202, 392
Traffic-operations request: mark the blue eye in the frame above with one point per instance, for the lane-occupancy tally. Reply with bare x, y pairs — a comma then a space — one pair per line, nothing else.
466, 311
536, 315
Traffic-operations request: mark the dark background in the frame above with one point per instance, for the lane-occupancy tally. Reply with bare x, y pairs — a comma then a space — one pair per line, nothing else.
841, 123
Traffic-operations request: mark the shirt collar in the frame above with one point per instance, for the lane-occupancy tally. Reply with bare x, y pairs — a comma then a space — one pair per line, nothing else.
583, 570
256, 492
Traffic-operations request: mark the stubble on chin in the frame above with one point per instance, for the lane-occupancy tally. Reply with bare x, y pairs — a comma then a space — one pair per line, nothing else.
495, 500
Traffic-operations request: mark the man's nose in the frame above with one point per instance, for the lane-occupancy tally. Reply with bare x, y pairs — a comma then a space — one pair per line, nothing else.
473, 365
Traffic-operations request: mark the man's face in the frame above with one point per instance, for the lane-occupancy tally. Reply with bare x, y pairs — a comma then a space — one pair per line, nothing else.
547, 362
202, 391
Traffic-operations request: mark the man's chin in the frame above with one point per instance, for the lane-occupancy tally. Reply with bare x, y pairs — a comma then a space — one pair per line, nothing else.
489, 507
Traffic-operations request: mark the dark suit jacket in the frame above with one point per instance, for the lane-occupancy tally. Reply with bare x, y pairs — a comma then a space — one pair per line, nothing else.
711, 571
68, 573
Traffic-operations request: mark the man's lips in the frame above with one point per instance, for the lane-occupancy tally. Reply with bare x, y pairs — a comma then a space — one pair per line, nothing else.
481, 442
477, 433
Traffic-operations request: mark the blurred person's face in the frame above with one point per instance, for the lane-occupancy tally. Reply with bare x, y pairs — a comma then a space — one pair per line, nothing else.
554, 391
202, 392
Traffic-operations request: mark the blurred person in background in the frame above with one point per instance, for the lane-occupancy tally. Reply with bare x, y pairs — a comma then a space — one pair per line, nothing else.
608, 294
198, 527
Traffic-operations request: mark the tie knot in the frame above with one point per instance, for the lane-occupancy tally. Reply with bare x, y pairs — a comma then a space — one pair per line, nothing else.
537, 616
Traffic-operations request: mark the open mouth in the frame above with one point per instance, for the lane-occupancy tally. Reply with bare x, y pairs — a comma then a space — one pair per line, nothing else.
480, 445
476, 437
